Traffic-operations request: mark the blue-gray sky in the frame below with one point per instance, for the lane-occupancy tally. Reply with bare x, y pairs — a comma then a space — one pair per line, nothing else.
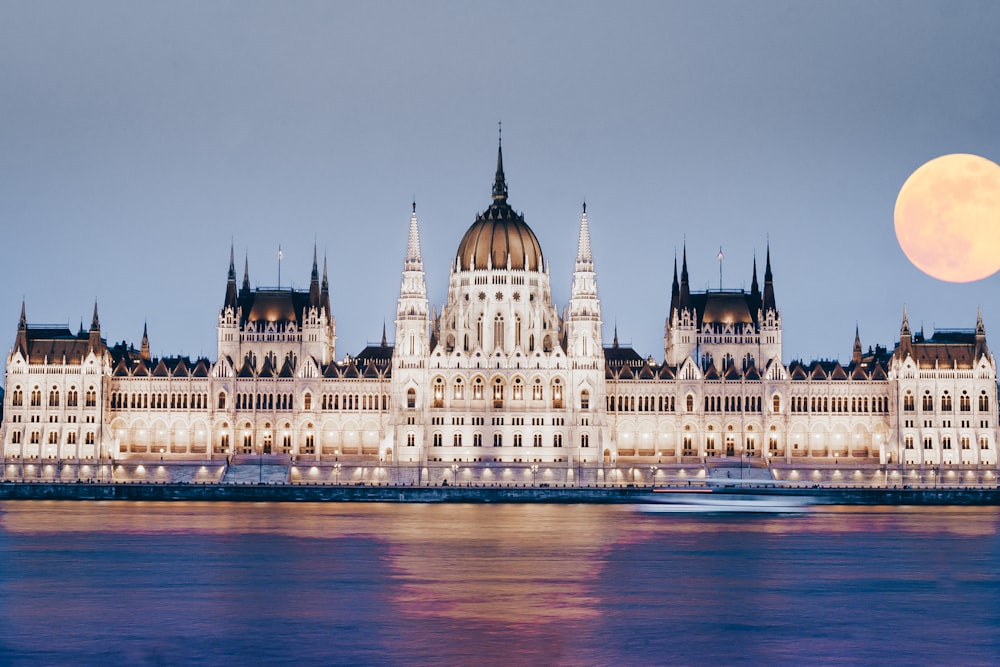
138, 138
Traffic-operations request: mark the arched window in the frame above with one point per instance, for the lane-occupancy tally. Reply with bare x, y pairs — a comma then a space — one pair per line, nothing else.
964, 404
437, 440
690, 402
17, 398
54, 397
536, 440
585, 400
776, 403
498, 393
927, 404
459, 389
557, 440
585, 440
411, 439
946, 403
518, 390
557, 393
498, 440
438, 393
536, 390
456, 440
411, 398
984, 402
908, 402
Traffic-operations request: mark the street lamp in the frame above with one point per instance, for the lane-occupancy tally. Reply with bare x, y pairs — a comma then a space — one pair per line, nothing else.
534, 470
652, 475
454, 475
336, 470
260, 463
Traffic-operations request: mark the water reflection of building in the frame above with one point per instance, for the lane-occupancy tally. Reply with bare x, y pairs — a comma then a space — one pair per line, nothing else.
501, 380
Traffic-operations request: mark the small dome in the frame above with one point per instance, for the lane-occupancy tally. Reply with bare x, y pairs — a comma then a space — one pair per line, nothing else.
497, 234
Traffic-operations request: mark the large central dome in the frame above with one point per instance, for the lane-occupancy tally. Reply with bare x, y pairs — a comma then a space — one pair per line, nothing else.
499, 236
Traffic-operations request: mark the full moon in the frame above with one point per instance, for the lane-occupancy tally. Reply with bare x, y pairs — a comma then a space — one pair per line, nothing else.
947, 218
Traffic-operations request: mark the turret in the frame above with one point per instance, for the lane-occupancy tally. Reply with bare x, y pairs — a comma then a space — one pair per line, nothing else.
769, 303
315, 300
856, 356
905, 337
94, 344
981, 348
21, 343
144, 348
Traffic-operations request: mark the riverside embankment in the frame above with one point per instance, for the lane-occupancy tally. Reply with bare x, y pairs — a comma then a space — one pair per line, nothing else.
471, 494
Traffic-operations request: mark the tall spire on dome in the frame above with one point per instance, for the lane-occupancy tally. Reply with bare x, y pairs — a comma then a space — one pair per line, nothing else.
500, 183
584, 258
413, 259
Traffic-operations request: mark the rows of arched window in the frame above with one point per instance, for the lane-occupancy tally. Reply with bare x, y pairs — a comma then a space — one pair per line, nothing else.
259, 401
499, 393
54, 397
35, 437
840, 404
628, 403
946, 403
733, 403
537, 440
122, 400
378, 402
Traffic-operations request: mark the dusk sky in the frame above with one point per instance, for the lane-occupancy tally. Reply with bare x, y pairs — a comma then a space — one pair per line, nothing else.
137, 139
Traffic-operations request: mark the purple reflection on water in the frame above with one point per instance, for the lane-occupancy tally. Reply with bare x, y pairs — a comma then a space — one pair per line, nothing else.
147, 583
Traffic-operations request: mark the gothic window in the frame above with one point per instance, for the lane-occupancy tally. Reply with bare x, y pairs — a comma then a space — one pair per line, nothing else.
479, 331
457, 440
964, 404
411, 398
927, 404
459, 390
91, 397
984, 402
690, 402
498, 393
307, 401
984, 442
518, 390
71, 438
928, 442
537, 440
966, 442
585, 440
53, 438
437, 440
908, 442
946, 403
477, 389
536, 390
687, 446
498, 333
908, 402
36, 397
497, 440
710, 445
946, 442
557, 440
89, 438
517, 329
477, 439
411, 439
34, 437
517, 440
54, 397
17, 398
557, 393
585, 400
747, 361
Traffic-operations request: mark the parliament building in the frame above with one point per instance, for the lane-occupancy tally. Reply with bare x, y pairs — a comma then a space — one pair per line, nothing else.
501, 378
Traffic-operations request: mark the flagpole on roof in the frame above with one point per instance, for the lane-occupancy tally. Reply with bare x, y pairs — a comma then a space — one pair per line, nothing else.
720, 258
280, 257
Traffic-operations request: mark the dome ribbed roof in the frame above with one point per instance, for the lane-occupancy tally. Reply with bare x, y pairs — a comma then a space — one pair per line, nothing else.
499, 234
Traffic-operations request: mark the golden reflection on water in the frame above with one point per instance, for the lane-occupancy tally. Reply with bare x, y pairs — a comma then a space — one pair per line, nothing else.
512, 564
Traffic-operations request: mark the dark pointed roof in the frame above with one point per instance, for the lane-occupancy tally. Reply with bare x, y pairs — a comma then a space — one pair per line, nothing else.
768, 302
499, 236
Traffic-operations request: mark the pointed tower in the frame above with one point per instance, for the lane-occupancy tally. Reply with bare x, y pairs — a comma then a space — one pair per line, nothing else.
315, 301
231, 293
412, 308
94, 345
583, 320
21, 343
229, 315
144, 348
769, 303
905, 337
755, 298
981, 348
246, 275
324, 292
679, 333
856, 356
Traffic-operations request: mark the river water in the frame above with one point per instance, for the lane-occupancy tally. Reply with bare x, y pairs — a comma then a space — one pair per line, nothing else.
102, 583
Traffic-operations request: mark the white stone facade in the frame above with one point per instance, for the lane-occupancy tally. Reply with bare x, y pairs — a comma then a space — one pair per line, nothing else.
500, 377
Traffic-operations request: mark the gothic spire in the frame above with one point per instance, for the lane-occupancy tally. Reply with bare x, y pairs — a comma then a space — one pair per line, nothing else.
94, 344
314, 295
21, 343
981, 348
95, 323
754, 287
324, 291
144, 348
675, 290
769, 302
500, 183
684, 300
856, 357
385, 342
246, 273
231, 281
584, 258
413, 259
